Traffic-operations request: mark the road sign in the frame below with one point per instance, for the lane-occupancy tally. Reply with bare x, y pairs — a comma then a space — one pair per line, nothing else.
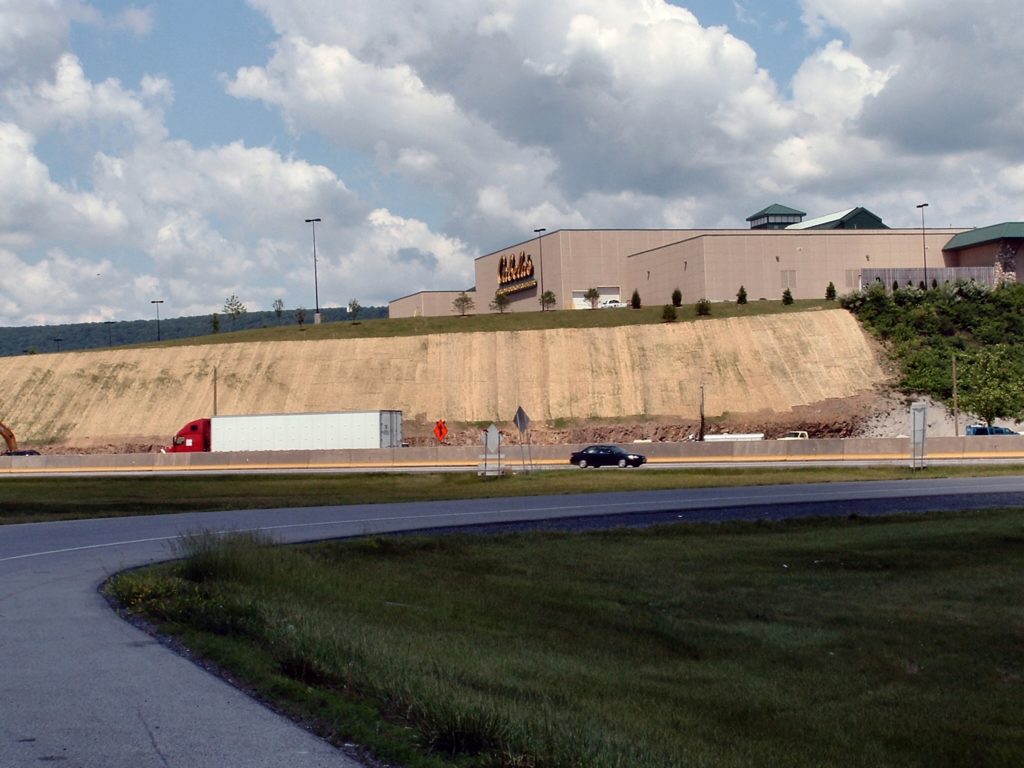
440, 430
522, 421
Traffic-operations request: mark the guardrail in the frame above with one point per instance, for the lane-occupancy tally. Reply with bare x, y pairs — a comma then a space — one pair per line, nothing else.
828, 450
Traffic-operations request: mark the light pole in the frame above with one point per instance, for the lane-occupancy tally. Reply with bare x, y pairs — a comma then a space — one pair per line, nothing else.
110, 340
157, 302
924, 247
316, 289
540, 258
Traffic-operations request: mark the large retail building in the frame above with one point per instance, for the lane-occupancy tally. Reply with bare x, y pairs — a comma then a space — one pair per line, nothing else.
781, 250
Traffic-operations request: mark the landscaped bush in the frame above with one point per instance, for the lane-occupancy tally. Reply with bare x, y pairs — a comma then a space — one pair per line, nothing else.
741, 295
787, 297
926, 328
668, 313
677, 298
703, 308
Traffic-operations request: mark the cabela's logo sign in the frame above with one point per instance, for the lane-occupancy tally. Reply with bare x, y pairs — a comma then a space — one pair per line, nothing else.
515, 273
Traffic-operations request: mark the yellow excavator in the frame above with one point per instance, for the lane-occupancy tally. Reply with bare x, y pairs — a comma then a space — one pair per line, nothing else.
12, 443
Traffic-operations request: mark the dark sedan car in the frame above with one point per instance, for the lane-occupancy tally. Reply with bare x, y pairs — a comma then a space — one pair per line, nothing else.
606, 456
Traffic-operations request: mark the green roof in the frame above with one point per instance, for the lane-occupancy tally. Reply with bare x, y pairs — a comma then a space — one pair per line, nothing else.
1005, 231
776, 210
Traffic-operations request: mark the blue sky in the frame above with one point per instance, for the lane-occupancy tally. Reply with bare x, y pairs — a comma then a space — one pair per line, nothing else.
173, 150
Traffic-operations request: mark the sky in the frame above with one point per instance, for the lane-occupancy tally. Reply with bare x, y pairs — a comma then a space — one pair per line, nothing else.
173, 151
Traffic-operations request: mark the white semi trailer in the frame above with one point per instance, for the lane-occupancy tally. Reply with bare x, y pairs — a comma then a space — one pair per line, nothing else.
291, 432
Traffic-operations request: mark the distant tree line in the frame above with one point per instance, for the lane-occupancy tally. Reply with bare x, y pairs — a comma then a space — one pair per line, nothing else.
23, 340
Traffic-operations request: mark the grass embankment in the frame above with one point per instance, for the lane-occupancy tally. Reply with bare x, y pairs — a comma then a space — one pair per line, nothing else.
509, 321
30, 500
882, 642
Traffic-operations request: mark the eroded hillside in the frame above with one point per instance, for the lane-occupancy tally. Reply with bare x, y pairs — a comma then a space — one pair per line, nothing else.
774, 363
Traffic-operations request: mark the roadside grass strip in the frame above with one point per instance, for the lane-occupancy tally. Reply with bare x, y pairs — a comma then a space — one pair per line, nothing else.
892, 641
29, 500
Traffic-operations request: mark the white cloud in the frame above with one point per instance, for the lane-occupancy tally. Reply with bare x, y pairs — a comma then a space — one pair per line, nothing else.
137, 21
471, 123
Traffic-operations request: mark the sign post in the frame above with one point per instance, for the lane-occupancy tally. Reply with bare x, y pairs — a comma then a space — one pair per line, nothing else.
522, 422
440, 430
918, 430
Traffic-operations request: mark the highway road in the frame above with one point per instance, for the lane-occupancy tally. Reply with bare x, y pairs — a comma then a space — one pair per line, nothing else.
83, 689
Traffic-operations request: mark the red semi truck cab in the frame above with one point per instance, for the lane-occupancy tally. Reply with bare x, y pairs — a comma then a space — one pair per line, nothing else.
193, 437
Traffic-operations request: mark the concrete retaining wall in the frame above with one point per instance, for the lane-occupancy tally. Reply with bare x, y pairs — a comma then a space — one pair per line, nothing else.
512, 457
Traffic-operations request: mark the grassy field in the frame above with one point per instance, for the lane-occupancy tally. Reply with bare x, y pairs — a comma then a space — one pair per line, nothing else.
489, 322
29, 500
881, 642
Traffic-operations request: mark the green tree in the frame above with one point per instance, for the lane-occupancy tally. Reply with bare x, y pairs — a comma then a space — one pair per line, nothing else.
741, 295
501, 302
992, 385
215, 322
668, 313
353, 308
787, 297
547, 300
234, 308
677, 298
300, 316
278, 307
703, 307
463, 303
593, 296
634, 300
830, 291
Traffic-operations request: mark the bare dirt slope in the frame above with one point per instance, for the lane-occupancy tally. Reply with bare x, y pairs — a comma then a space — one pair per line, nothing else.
768, 367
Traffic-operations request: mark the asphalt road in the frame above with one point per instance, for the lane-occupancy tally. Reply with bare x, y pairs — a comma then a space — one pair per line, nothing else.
83, 689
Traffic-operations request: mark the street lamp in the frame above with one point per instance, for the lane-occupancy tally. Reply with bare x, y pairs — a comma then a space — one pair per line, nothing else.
540, 257
924, 247
316, 289
157, 302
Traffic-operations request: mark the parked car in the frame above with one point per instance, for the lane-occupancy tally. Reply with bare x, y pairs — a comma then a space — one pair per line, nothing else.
611, 304
984, 429
606, 456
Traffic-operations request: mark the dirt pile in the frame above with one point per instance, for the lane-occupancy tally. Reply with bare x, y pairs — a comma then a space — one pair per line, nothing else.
811, 370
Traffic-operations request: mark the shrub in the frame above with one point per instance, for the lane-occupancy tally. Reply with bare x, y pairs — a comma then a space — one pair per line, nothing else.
830, 291
703, 308
677, 298
668, 313
741, 295
787, 297
634, 300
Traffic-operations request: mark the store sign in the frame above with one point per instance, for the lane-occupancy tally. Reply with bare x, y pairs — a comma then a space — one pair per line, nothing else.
515, 273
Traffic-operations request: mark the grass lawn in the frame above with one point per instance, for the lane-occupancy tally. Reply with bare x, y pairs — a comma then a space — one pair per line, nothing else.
865, 642
488, 322
28, 500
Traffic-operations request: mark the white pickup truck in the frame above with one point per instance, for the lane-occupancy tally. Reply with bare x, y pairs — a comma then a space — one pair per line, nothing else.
795, 435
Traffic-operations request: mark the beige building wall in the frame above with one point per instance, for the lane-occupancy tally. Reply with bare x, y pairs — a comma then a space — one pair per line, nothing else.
428, 304
714, 265
977, 256
709, 264
573, 261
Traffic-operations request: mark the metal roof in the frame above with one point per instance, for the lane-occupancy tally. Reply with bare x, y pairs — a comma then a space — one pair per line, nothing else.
1006, 230
826, 219
776, 210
